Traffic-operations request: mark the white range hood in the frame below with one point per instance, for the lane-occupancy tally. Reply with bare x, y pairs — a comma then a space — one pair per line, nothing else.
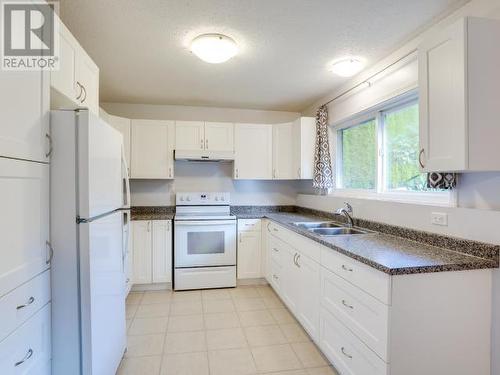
204, 155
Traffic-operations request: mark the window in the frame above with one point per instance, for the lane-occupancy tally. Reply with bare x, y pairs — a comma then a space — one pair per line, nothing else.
377, 155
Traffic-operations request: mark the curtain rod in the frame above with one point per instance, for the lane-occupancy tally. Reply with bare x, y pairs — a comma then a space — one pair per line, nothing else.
367, 80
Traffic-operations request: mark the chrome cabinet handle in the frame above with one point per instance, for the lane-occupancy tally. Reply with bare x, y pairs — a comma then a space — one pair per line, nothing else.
295, 258
276, 229
297, 261
206, 144
274, 173
169, 171
276, 250
48, 153
81, 90
344, 353
128, 279
268, 229
275, 277
345, 268
51, 252
149, 226
26, 357
420, 158
85, 92
298, 173
346, 304
201, 144
30, 301
240, 237
236, 172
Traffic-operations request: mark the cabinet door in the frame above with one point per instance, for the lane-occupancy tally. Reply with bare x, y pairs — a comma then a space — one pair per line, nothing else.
87, 75
290, 279
162, 251
24, 222
63, 79
253, 152
304, 143
189, 135
219, 136
24, 115
142, 273
249, 255
442, 74
283, 166
309, 284
152, 154
123, 126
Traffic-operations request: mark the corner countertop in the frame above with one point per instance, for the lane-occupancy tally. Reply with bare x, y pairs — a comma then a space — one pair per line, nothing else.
387, 253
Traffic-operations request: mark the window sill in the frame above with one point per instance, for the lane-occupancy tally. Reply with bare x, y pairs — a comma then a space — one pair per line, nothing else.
444, 199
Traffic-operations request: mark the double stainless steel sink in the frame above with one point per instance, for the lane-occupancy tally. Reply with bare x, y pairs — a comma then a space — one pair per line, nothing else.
329, 228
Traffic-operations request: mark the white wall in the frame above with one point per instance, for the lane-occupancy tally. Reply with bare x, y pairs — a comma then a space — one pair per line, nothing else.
212, 176
190, 113
477, 216
208, 176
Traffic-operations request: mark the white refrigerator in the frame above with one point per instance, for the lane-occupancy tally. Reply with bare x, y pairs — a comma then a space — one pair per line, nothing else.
88, 226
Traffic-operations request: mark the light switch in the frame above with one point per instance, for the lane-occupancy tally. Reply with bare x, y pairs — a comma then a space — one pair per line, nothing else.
439, 218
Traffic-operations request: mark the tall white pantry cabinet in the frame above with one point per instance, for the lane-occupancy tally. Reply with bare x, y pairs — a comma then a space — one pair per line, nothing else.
25, 341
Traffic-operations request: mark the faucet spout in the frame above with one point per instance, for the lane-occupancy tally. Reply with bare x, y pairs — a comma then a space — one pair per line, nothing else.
346, 211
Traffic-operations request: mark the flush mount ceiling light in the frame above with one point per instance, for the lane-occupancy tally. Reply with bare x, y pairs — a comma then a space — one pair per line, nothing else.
347, 67
214, 48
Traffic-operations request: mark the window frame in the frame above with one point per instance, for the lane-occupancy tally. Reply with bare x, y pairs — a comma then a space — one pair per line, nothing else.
381, 192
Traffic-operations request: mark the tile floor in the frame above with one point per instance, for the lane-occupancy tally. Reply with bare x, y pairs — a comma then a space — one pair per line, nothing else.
239, 331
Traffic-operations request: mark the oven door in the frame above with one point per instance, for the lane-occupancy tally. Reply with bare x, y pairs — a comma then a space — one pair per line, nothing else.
204, 243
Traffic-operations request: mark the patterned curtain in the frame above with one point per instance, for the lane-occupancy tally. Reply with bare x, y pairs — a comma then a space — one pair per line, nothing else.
323, 176
442, 180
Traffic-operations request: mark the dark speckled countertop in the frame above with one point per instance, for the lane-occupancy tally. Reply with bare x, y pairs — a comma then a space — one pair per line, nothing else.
390, 249
387, 253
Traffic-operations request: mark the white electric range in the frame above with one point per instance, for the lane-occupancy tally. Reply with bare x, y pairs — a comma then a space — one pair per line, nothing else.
204, 241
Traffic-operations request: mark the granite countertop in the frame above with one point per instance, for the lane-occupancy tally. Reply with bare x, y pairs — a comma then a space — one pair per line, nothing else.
152, 213
387, 253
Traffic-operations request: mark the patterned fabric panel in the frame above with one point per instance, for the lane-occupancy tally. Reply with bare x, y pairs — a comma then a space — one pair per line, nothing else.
442, 180
323, 175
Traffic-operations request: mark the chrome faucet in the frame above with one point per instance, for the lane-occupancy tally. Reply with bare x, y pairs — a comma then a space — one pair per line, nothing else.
346, 211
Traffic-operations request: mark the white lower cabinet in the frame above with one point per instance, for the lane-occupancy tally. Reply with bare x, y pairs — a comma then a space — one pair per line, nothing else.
249, 264
27, 350
369, 322
152, 251
347, 353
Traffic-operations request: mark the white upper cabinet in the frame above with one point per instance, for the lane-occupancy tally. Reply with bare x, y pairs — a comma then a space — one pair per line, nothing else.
123, 126
253, 152
458, 82
304, 141
219, 136
24, 115
76, 82
283, 166
189, 135
204, 137
152, 149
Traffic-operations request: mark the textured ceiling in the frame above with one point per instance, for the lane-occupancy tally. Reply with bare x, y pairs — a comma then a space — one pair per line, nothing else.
141, 46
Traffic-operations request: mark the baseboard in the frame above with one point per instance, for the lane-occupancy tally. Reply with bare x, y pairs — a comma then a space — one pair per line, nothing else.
255, 281
151, 287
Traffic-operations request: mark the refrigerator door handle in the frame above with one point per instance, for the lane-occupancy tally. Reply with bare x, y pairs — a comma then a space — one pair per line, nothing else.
126, 178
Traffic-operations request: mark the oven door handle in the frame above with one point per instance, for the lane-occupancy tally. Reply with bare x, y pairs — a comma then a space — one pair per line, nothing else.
204, 222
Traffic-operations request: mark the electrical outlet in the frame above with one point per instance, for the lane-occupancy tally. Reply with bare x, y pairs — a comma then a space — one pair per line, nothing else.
439, 218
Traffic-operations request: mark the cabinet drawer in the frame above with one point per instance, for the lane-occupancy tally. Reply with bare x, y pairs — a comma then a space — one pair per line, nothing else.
27, 350
365, 316
19, 305
249, 225
373, 282
345, 351
306, 246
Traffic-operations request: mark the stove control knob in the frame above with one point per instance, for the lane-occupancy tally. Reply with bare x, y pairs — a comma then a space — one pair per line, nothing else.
222, 198
188, 199
182, 199
216, 199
